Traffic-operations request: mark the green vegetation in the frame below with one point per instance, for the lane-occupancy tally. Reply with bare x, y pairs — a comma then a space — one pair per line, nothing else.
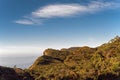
79, 63
75, 63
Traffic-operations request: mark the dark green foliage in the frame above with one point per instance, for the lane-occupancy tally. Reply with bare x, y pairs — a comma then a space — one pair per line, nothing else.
4, 71
7, 73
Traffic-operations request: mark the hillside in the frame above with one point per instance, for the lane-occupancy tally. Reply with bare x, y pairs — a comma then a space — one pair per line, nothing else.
7, 73
76, 63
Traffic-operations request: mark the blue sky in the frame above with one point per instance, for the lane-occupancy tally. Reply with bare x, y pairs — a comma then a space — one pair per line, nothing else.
30, 26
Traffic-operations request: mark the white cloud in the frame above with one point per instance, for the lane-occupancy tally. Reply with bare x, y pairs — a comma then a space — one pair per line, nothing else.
58, 10
66, 10
25, 22
63, 10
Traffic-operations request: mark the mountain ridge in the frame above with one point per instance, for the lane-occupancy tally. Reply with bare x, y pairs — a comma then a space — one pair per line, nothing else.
77, 63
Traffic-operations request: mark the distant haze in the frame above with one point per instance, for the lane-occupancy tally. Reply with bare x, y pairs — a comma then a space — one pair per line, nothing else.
20, 60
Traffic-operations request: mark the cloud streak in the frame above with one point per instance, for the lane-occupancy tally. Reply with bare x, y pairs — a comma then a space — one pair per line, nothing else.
66, 10
58, 10
24, 21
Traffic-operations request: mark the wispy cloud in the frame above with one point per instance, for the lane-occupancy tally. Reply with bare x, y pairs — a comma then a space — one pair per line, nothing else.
58, 10
24, 21
66, 10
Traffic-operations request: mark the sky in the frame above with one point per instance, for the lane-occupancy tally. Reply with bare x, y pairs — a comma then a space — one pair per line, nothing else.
30, 26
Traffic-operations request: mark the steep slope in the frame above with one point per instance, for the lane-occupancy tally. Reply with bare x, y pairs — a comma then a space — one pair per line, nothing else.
79, 63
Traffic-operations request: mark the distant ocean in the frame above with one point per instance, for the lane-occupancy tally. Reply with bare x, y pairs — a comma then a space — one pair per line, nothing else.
21, 61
